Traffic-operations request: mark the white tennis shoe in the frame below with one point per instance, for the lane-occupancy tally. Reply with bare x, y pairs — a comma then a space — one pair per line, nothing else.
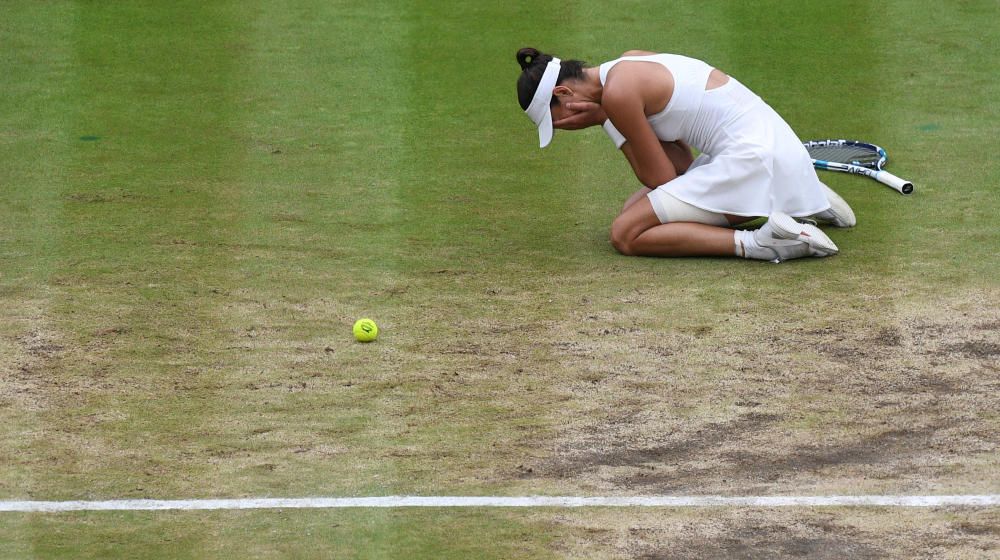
783, 228
839, 214
782, 239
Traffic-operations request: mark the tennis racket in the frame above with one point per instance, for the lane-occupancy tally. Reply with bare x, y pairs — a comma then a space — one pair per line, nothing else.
860, 158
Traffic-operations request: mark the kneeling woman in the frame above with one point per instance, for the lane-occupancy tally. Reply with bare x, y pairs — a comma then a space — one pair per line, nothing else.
654, 106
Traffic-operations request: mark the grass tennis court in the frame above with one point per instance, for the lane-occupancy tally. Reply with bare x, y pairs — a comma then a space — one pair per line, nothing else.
197, 200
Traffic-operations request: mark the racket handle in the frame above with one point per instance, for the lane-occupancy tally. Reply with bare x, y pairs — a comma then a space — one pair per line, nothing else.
901, 185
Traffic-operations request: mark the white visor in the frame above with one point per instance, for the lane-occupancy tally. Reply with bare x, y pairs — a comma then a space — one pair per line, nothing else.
538, 111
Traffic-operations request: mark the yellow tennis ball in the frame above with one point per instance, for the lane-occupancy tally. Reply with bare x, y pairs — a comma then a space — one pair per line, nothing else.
365, 330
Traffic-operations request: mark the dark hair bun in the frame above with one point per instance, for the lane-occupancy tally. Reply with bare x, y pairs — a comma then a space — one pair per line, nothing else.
533, 66
528, 56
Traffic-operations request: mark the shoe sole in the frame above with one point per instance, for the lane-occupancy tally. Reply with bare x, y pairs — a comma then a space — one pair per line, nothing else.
785, 227
840, 208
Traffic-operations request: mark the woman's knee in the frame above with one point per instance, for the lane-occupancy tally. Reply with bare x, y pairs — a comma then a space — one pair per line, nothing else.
630, 224
623, 236
621, 245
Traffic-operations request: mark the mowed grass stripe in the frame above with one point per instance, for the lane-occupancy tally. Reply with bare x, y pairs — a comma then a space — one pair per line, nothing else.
156, 198
144, 197
303, 405
34, 152
144, 160
33, 156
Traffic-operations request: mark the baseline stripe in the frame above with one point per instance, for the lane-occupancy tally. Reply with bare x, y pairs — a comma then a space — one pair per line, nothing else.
987, 500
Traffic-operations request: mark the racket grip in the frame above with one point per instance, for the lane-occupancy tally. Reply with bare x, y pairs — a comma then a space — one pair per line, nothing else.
901, 185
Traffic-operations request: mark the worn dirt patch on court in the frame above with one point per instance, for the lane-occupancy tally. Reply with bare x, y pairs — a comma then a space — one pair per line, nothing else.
24, 356
824, 533
901, 402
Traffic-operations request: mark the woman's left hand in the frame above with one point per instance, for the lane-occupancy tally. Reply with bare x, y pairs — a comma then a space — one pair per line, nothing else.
584, 114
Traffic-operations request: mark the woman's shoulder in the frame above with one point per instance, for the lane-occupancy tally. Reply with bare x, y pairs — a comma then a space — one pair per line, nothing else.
638, 53
630, 56
631, 79
623, 68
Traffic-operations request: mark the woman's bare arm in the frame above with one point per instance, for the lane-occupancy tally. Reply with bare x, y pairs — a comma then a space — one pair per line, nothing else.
623, 104
680, 155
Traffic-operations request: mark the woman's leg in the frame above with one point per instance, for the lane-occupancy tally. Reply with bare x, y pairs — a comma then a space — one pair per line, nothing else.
637, 231
641, 194
636, 196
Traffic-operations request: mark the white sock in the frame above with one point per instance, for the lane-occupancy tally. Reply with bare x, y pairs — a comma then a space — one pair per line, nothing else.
748, 248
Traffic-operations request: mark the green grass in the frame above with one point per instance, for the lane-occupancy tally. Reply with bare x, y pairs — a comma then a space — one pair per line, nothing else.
280, 534
198, 199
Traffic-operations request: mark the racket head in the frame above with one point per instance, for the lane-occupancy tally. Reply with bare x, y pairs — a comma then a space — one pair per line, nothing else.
850, 152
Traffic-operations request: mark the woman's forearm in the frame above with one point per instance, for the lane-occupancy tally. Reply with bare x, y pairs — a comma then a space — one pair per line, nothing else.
680, 155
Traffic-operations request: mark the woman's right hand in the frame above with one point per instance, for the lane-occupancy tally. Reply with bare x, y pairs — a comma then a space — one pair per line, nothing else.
584, 114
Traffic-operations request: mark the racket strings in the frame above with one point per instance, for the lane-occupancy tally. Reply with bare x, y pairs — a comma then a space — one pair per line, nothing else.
853, 155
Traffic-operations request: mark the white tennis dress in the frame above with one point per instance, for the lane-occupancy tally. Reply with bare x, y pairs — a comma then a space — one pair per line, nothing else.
752, 163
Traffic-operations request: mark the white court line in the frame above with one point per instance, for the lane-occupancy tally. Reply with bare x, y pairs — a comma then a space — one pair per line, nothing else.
987, 500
